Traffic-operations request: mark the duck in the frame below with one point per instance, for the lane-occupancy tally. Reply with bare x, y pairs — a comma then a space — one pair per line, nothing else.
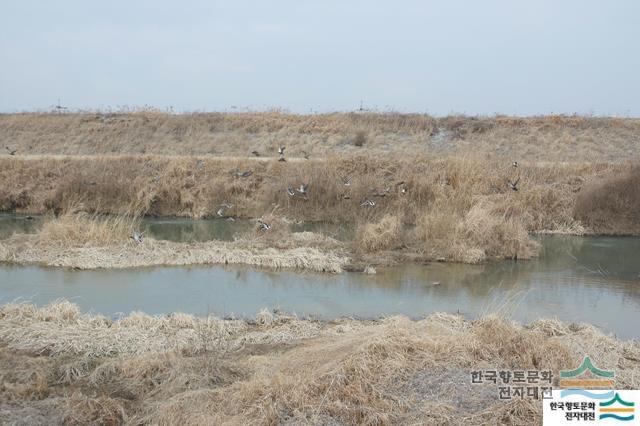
138, 237
244, 174
303, 189
263, 226
514, 185
223, 208
382, 193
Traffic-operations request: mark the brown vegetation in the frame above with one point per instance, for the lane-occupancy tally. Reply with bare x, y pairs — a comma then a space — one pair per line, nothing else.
440, 185
456, 208
58, 365
76, 229
305, 251
611, 205
549, 138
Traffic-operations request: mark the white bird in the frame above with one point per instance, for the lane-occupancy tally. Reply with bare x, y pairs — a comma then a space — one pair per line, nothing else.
302, 189
368, 203
281, 150
138, 237
222, 210
514, 164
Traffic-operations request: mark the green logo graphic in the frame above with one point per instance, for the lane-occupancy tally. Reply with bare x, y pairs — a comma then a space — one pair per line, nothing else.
587, 365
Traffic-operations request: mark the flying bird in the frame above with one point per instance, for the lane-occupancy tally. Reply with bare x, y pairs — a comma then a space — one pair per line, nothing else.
244, 174
514, 185
263, 226
11, 151
256, 153
382, 193
368, 203
281, 150
223, 209
302, 189
346, 181
305, 154
290, 191
138, 237
514, 164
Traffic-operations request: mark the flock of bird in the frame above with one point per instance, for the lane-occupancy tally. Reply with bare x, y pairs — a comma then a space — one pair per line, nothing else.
300, 191
303, 190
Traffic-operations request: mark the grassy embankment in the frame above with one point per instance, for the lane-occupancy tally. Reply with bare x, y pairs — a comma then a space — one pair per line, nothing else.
454, 207
546, 138
61, 366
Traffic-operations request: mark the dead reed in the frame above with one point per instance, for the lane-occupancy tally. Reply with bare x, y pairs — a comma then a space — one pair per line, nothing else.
453, 208
547, 138
62, 365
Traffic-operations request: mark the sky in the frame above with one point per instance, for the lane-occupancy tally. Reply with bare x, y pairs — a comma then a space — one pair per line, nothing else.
525, 57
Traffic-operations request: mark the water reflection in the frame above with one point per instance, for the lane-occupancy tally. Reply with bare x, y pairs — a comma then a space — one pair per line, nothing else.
10, 224
182, 229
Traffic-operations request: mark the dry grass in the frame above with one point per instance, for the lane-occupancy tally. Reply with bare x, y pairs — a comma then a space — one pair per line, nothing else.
455, 172
551, 138
461, 208
76, 229
62, 365
383, 235
303, 251
611, 205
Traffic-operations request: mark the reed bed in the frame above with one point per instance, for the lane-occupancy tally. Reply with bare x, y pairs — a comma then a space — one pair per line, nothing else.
303, 254
60, 365
452, 208
73, 229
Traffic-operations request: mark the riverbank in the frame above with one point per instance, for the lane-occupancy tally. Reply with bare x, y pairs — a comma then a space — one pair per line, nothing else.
450, 209
63, 366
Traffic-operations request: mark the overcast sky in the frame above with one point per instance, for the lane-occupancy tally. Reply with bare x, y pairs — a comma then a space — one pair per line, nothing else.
473, 57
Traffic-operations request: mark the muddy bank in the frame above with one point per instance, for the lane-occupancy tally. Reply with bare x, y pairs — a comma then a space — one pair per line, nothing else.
26, 249
62, 366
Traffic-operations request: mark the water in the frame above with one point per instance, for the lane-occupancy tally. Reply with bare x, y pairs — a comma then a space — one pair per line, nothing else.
577, 279
180, 229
